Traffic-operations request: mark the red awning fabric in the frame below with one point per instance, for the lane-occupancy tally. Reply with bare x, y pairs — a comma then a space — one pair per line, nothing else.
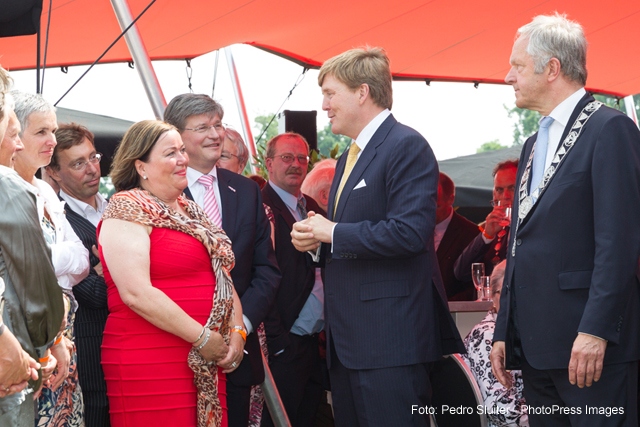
457, 40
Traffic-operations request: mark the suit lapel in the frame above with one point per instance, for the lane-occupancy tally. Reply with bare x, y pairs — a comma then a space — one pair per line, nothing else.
187, 193
342, 161
279, 208
229, 201
574, 116
363, 162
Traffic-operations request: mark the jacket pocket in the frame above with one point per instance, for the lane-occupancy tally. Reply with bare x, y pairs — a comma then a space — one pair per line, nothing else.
387, 289
575, 279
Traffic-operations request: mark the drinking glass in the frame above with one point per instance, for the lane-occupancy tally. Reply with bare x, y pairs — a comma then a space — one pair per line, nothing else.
477, 271
485, 281
507, 212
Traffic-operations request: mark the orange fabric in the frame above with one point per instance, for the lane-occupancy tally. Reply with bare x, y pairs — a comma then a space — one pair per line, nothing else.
458, 40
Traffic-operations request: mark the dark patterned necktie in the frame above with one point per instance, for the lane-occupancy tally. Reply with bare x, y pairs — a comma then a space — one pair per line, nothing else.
302, 210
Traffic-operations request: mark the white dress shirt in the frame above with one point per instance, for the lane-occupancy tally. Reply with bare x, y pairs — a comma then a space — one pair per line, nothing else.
198, 189
440, 229
85, 210
560, 115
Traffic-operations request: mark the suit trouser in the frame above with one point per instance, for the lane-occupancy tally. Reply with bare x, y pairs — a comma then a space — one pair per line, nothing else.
299, 380
379, 397
92, 383
548, 394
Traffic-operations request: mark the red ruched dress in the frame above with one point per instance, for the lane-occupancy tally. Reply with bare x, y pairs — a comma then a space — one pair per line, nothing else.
149, 382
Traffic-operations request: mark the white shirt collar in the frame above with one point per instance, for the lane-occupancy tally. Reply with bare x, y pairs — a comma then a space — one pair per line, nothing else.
193, 175
289, 199
441, 228
82, 208
370, 129
561, 115
562, 112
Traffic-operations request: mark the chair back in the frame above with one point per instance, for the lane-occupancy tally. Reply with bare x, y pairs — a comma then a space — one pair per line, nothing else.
454, 386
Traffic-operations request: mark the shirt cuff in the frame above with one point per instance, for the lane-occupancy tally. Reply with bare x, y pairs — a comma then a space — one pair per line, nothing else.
247, 324
332, 239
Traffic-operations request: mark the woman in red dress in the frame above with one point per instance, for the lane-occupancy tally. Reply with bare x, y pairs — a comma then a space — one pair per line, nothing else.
172, 305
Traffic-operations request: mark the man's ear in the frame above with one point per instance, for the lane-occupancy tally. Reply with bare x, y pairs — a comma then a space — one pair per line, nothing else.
554, 69
324, 197
363, 93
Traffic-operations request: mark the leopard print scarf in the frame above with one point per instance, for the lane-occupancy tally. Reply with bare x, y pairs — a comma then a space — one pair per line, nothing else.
142, 207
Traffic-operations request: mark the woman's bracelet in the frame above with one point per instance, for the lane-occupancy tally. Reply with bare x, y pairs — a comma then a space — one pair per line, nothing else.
206, 338
241, 330
201, 334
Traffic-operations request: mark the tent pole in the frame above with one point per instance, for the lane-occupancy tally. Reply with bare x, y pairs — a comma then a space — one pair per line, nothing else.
242, 110
272, 397
631, 109
140, 57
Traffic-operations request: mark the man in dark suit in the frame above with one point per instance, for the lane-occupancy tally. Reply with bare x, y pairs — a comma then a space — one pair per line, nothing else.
490, 246
237, 204
297, 316
571, 291
452, 234
75, 167
385, 307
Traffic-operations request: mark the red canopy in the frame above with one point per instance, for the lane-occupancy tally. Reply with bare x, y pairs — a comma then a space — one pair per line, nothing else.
457, 40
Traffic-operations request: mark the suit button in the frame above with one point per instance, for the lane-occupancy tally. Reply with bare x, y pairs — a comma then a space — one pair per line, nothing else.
518, 242
355, 255
341, 254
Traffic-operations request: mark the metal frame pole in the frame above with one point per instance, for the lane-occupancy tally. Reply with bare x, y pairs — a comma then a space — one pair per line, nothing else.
272, 397
242, 110
140, 57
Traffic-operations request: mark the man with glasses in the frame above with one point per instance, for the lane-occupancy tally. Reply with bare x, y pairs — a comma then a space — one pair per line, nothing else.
297, 317
235, 154
234, 203
490, 246
75, 168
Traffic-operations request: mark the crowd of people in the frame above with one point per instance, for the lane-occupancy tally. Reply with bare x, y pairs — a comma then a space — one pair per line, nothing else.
158, 306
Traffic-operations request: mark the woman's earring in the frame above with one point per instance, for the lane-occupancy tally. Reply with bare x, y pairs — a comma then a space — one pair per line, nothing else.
144, 176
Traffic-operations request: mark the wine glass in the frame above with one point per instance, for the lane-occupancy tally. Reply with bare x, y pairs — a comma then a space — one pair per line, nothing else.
485, 282
477, 271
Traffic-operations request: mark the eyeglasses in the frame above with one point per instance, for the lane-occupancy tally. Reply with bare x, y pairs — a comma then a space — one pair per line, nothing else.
227, 156
288, 158
504, 203
218, 127
82, 164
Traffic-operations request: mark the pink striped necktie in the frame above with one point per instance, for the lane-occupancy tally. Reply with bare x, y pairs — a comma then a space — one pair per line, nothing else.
210, 204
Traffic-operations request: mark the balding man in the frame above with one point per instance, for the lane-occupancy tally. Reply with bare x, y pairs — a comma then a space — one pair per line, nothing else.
317, 184
452, 234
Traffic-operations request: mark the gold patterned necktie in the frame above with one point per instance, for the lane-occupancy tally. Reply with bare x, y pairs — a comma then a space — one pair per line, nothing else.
351, 161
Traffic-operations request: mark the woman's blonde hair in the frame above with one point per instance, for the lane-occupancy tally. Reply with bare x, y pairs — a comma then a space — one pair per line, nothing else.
136, 145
